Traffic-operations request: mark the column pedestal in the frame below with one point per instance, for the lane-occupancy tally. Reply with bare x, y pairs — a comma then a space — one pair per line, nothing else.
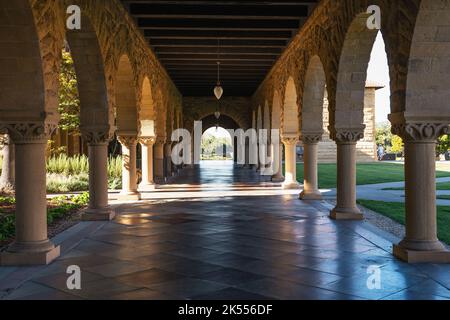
421, 244
147, 183
31, 245
129, 176
310, 186
290, 144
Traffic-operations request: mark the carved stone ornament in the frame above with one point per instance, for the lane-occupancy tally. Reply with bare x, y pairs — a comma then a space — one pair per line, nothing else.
347, 135
29, 132
128, 141
147, 141
289, 139
96, 137
420, 131
312, 138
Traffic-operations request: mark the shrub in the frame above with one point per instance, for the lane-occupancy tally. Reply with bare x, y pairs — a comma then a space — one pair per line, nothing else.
59, 183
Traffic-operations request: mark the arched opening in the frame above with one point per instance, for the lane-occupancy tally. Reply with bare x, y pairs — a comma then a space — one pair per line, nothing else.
290, 109
217, 145
125, 95
354, 125
312, 126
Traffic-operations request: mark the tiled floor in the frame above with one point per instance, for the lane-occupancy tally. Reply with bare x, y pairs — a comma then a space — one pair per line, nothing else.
223, 240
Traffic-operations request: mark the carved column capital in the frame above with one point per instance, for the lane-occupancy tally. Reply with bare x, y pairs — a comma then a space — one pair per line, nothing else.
147, 141
312, 137
29, 132
420, 131
160, 140
128, 141
95, 136
289, 140
351, 135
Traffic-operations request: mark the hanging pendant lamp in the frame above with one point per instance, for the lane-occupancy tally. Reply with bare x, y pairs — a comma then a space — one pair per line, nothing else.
218, 90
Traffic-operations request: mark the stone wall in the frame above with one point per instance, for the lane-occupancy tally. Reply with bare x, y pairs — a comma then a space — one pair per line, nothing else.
197, 108
366, 148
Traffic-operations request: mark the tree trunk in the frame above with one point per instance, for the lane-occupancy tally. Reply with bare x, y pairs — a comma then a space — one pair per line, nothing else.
7, 179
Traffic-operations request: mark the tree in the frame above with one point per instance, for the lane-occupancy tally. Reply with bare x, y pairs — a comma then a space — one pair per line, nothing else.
397, 144
443, 144
384, 135
69, 102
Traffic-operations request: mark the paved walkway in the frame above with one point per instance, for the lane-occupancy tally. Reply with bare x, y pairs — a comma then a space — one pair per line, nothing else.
231, 236
377, 192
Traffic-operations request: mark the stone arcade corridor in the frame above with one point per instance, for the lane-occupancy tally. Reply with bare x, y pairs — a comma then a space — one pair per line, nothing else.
295, 69
231, 243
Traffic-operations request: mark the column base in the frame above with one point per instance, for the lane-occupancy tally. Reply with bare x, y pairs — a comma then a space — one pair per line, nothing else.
310, 195
291, 185
346, 214
415, 256
129, 196
146, 187
277, 179
104, 214
16, 257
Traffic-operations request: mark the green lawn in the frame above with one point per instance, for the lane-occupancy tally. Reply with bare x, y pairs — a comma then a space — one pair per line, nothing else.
443, 197
366, 173
396, 211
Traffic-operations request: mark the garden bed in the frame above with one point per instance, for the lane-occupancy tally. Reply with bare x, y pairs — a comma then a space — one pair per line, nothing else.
62, 213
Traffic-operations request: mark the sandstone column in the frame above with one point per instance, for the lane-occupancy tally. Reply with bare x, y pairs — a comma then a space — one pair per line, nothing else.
159, 159
278, 177
129, 176
98, 209
421, 244
31, 245
168, 159
290, 144
7, 178
311, 185
147, 183
346, 208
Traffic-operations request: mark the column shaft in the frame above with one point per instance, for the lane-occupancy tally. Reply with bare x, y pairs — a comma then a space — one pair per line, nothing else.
129, 176
290, 181
147, 183
311, 186
31, 245
421, 243
98, 209
159, 162
278, 177
346, 208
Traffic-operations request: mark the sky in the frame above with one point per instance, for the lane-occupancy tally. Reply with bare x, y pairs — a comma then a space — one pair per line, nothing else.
378, 71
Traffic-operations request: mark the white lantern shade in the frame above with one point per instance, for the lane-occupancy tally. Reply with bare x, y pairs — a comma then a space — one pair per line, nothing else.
218, 92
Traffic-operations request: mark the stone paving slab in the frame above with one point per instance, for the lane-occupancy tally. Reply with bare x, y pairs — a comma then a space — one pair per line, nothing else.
226, 247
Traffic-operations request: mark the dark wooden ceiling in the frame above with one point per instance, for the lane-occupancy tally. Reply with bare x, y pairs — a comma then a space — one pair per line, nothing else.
186, 36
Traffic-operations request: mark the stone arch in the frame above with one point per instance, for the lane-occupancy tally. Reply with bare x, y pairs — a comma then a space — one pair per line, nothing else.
428, 83
225, 121
125, 96
95, 113
22, 88
313, 97
352, 74
290, 109
147, 109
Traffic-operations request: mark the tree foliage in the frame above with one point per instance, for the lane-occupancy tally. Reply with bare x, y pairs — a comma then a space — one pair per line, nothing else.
69, 102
